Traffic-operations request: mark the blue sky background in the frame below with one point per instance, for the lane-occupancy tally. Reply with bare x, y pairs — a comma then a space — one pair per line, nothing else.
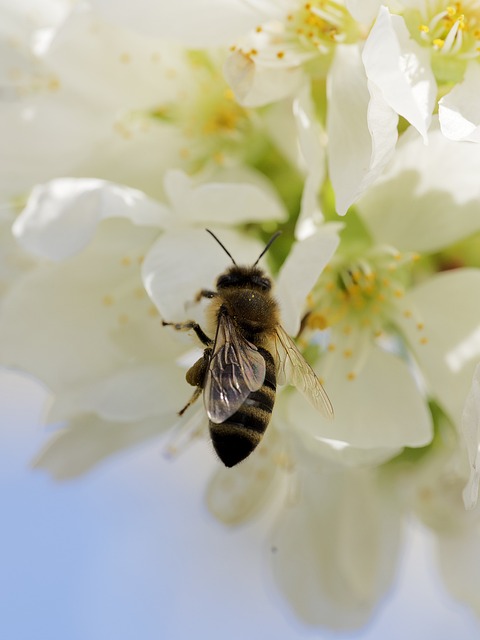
130, 551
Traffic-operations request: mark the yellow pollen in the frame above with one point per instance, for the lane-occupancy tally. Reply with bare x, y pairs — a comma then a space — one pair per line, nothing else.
330, 286
378, 333
347, 330
184, 153
228, 93
252, 52
126, 261
423, 340
331, 347
140, 259
424, 28
107, 300
438, 42
398, 293
451, 11
317, 321
347, 353
125, 58
259, 29
54, 84
280, 54
123, 319
351, 375
407, 313
152, 312
420, 326
233, 48
381, 297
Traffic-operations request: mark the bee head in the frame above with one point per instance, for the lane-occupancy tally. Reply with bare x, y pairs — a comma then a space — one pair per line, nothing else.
244, 277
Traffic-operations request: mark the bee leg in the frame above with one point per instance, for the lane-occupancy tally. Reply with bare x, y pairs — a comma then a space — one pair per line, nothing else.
194, 397
186, 326
195, 376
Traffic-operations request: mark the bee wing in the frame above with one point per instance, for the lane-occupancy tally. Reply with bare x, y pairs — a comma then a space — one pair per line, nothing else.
292, 368
236, 368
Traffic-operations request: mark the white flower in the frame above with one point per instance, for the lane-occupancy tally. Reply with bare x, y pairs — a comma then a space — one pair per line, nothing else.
471, 433
429, 44
376, 328
96, 341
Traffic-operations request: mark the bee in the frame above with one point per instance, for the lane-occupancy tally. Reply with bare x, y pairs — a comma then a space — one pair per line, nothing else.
249, 353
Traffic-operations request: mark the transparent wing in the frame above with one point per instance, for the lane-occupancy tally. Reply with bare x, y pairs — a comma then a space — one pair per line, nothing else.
236, 369
292, 368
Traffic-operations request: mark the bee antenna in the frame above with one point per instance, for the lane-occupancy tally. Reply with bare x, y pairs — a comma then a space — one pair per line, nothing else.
269, 244
223, 247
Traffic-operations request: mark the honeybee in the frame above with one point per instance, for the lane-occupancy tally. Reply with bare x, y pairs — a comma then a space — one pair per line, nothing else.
241, 365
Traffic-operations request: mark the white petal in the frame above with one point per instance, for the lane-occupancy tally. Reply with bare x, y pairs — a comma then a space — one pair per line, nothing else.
235, 495
312, 142
255, 85
134, 393
382, 408
400, 68
363, 10
447, 306
301, 270
471, 434
361, 127
459, 559
428, 197
182, 262
220, 202
61, 217
69, 131
336, 549
85, 318
459, 110
86, 50
88, 440
195, 23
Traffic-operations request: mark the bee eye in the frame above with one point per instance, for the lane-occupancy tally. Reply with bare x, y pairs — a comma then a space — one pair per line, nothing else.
263, 283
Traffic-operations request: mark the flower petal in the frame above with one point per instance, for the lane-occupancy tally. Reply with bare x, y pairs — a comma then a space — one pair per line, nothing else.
88, 440
235, 495
459, 110
459, 558
428, 197
361, 127
363, 10
471, 434
182, 262
336, 548
400, 68
87, 317
255, 85
220, 202
448, 347
61, 216
134, 393
384, 410
195, 23
301, 270
312, 142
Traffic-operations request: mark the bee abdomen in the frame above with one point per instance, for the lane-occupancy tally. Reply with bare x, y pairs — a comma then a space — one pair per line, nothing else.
237, 437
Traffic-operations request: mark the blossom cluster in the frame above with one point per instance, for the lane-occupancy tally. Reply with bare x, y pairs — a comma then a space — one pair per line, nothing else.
352, 126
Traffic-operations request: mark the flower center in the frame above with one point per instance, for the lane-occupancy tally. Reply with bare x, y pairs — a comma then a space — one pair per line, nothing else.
452, 31
356, 301
320, 24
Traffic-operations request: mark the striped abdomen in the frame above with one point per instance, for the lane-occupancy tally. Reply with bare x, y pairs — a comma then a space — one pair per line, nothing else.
237, 437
